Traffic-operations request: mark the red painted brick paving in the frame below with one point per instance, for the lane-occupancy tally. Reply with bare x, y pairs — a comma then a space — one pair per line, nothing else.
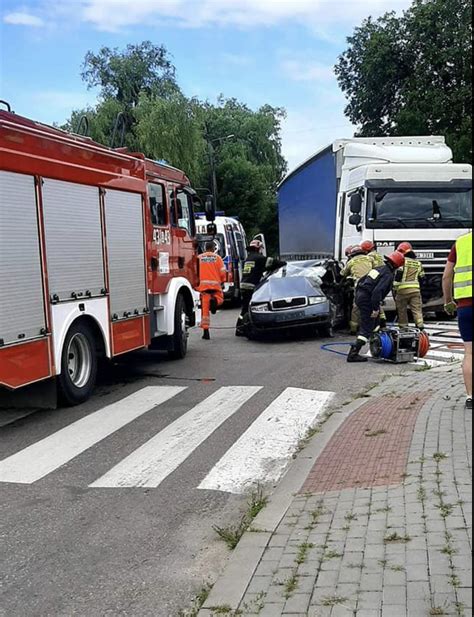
371, 447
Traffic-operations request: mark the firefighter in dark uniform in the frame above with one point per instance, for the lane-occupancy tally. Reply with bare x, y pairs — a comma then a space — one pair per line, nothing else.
255, 268
371, 292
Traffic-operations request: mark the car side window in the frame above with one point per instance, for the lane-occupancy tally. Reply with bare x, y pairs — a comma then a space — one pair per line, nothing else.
185, 212
156, 195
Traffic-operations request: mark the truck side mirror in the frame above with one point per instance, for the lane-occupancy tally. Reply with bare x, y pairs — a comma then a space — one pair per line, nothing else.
210, 208
356, 203
355, 219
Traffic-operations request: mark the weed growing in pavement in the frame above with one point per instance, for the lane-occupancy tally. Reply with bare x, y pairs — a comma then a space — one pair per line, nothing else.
198, 603
291, 585
449, 550
385, 510
303, 551
424, 368
395, 538
455, 581
438, 610
422, 494
356, 566
350, 516
446, 509
232, 535
397, 568
440, 456
331, 554
460, 609
225, 610
376, 433
333, 601
316, 515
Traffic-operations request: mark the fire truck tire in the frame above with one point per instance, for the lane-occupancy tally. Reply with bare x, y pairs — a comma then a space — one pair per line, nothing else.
181, 331
78, 366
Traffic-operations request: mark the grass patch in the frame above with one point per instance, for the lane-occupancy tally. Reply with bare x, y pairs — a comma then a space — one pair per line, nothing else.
385, 510
198, 603
446, 509
376, 433
291, 585
232, 534
395, 538
333, 600
303, 551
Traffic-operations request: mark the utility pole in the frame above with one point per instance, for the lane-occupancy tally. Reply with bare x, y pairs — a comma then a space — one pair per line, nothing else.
212, 163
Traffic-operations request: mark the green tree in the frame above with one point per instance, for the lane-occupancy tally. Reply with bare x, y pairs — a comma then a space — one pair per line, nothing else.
127, 75
412, 74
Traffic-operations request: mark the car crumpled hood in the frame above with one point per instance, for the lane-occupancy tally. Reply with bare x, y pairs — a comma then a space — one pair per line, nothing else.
294, 287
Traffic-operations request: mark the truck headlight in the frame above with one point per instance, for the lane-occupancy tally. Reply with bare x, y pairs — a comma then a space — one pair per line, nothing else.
317, 300
260, 308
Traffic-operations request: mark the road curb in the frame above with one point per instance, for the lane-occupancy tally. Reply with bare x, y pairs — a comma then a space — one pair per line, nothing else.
232, 585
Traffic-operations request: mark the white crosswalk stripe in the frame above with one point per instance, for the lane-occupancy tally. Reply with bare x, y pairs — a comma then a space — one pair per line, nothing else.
151, 464
446, 343
44, 457
262, 453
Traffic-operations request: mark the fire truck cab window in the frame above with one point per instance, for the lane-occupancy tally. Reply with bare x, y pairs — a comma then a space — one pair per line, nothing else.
157, 204
185, 212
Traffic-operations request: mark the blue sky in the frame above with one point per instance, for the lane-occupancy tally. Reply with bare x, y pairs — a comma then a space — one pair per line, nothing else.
280, 52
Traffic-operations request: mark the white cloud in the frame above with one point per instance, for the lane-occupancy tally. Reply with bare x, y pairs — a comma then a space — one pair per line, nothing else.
307, 130
319, 15
23, 19
304, 70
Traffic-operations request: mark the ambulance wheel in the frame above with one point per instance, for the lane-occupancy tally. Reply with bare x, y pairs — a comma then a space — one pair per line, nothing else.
181, 331
78, 366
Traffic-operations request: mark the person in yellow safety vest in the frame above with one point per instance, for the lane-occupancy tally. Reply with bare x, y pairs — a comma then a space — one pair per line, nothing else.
457, 288
358, 266
407, 288
378, 260
212, 275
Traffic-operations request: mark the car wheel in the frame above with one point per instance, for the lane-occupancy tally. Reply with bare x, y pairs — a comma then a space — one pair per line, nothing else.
181, 331
78, 366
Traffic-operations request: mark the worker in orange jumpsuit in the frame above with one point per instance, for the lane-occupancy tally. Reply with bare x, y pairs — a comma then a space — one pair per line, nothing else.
212, 276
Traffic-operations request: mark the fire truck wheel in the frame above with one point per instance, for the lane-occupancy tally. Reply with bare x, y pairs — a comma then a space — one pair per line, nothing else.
181, 331
78, 366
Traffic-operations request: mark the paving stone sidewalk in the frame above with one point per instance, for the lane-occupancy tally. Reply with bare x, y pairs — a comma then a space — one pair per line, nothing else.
383, 524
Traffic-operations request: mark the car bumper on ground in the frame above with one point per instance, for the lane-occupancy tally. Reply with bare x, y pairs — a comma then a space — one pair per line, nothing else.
318, 315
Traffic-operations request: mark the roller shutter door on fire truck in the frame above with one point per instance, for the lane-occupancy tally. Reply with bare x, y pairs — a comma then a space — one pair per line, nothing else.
22, 314
73, 233
126, 253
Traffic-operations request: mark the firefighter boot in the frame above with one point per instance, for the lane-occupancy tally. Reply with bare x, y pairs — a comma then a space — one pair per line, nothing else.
206, 336
214, 306
354, 354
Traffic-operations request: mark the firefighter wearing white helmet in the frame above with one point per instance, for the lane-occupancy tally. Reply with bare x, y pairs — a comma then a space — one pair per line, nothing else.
256, 265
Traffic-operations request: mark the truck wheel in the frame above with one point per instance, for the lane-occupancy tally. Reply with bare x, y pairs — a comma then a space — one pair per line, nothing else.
181, 331
78, 366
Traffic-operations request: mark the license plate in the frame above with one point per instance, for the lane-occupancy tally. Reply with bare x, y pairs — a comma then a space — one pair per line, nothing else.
425, 255
292, 316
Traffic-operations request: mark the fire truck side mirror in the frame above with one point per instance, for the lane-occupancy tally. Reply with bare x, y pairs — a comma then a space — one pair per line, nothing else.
210, 208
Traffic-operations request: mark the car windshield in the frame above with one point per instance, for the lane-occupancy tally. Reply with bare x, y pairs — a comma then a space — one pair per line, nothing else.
420, 209
314, 270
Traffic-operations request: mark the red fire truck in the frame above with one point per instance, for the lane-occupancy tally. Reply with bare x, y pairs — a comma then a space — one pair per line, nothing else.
98, 257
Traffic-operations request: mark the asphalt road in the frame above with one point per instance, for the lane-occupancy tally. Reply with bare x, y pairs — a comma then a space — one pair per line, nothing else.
67, 548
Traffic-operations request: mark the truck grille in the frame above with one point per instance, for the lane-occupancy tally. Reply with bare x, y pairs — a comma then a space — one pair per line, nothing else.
437, 254
287, 304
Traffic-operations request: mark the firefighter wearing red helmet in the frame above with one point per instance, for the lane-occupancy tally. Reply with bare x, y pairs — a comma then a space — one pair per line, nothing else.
407, 288
371, 292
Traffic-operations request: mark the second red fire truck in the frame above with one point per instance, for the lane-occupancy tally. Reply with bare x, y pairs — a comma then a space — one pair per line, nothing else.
98, 257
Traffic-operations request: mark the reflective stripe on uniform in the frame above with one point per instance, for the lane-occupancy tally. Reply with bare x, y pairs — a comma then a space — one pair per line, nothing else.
411, 274
463, 269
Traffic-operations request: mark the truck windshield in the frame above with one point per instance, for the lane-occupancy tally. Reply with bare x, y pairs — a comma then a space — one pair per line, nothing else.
419, 209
